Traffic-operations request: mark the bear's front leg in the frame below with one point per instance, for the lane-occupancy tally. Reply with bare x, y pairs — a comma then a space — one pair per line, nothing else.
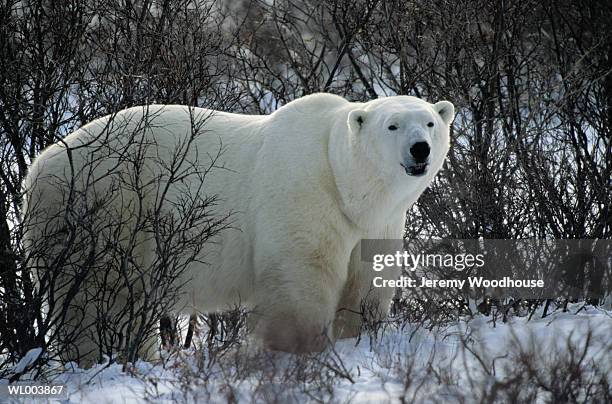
361, 301
295, 308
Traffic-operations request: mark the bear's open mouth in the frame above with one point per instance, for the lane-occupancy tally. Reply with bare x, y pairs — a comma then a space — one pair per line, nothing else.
416, 169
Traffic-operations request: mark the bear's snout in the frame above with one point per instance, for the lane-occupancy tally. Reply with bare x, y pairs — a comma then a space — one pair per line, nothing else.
420, 151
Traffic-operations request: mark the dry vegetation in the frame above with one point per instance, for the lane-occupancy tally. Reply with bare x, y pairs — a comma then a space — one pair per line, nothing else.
531, 158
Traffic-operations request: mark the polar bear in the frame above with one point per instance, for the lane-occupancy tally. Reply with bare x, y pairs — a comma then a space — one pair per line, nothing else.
302, 186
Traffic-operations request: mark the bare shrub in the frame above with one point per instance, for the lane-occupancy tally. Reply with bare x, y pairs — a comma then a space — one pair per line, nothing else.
110, 265
63, 65
223, 362
461, 367
530, 158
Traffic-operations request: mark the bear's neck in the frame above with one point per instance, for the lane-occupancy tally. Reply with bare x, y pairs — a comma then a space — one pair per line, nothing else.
365, 198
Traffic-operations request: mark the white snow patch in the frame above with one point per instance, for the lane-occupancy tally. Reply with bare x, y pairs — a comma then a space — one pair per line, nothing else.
378, 370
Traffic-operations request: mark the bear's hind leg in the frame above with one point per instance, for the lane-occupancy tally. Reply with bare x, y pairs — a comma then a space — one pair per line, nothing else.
75, 339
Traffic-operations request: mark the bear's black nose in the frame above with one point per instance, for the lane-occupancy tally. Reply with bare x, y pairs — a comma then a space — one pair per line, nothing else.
420, 151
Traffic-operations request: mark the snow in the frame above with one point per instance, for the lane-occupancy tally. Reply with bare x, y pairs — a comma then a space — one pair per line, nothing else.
394, 363
28, 359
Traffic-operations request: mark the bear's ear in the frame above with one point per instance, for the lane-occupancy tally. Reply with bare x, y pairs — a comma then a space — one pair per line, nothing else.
446, 111
356, 118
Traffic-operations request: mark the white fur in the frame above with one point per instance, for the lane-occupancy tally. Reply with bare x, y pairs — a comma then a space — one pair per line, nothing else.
304, 185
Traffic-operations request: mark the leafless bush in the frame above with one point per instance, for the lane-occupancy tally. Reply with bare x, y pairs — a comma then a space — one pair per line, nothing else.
439, 365
464, 368
531, 152
223, 362
574, 371
63, 65
108, 266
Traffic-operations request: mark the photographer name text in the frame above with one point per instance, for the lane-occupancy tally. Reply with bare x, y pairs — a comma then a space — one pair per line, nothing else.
473, 282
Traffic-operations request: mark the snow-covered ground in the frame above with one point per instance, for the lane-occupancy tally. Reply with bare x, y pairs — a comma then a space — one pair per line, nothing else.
534, 360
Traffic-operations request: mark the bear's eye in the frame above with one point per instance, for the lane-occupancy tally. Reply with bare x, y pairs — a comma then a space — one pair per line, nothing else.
392, 127
430, 124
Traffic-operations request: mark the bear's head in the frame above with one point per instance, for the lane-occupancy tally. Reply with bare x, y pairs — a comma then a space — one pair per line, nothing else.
404, 137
